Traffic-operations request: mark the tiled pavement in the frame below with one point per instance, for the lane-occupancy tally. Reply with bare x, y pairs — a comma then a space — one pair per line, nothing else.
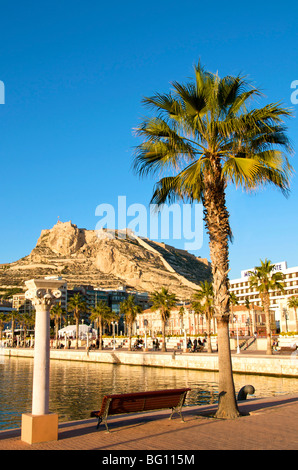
270, 425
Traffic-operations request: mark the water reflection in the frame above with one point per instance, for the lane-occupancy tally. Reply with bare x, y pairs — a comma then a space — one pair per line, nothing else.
77, 388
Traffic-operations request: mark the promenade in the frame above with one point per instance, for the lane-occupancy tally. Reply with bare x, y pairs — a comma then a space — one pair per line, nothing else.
267, 424
248, 362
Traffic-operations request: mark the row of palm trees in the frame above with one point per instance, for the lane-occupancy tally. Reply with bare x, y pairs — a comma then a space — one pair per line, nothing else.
26, 321
264, 280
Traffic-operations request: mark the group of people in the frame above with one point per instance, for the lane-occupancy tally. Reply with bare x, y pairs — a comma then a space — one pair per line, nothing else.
138, 344
196, 345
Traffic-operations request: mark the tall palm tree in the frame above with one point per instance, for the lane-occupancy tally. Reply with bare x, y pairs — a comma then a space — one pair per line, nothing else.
202, 137
77, 305
163, 301
57, 313
293, 303
130, 310
102, 314
202, 303
264, 280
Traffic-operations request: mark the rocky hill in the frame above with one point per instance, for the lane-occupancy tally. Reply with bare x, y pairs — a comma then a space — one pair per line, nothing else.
101, 259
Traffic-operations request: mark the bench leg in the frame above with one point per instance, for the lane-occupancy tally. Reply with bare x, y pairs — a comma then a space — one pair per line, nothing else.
99, 421
104, 416
178, 408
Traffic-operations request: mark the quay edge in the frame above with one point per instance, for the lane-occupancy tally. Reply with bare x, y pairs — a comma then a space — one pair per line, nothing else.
281, 366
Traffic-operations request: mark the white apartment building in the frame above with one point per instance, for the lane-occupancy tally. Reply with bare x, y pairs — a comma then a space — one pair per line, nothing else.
284, 316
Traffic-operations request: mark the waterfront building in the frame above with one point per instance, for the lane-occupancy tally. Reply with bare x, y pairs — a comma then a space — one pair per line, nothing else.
112, 297
183, 318
21, 304
6, 306
284, 316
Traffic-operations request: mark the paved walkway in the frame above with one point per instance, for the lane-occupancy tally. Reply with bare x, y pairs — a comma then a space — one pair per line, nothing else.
270, 425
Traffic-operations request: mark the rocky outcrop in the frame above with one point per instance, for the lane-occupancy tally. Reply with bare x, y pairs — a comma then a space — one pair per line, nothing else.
106, 260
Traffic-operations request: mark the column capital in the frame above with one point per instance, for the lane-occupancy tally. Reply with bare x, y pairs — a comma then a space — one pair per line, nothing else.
43, 292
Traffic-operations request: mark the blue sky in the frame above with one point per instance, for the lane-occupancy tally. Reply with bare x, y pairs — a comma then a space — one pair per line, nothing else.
75, 73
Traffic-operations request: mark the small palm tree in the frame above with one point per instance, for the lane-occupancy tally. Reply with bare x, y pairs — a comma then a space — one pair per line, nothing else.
163, 301
77, 305
12, 317
202, 303
102, 314
202, 137
264, 280
293, 303
233, 301
181, 315
251, 322
26, 319
57, 313
130, 311
3, 320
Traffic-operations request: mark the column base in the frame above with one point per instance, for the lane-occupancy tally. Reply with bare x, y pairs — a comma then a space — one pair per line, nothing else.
39, 428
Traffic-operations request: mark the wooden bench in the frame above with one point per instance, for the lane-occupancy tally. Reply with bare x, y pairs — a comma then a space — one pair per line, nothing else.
140, 401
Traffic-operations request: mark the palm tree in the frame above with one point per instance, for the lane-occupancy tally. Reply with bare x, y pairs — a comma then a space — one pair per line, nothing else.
263, 279
3, 320
102, 314
57, 313
77, 305
163, 301
12, 317
202, 303
293, 303
201, 138
181, 316
26, 319
251, 322
130, 310
233, 301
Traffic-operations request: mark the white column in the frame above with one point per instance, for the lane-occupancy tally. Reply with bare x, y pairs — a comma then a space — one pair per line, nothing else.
41, 371
42, 294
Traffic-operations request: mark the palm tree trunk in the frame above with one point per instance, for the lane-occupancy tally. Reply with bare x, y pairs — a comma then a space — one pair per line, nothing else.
163, 347
266, 303
12, 333
296, 319
217, 222
100, 334
129, 336
56, 331
209, 348
77, 332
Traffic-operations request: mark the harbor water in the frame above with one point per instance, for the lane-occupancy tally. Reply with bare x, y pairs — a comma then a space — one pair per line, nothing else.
77, 388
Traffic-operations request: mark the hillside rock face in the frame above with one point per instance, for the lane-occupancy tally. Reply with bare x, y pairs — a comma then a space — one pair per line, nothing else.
107, 260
